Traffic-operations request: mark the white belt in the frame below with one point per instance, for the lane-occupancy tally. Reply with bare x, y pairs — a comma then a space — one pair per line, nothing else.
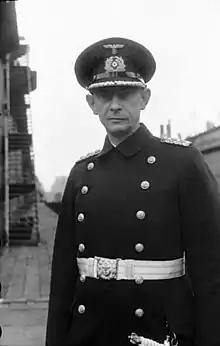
106, 268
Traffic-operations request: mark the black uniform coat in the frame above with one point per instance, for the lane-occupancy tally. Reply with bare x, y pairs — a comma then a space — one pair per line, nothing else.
182, 214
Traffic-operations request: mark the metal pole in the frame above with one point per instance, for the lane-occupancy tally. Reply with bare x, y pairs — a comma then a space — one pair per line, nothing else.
6, 114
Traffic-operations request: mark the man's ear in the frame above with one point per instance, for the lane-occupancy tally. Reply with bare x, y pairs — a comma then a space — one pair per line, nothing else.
91, 102
145, 97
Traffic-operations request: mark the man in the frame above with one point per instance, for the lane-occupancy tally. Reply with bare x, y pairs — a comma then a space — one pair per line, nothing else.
131, 214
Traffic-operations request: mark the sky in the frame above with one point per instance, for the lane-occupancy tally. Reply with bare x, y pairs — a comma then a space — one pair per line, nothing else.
183, 36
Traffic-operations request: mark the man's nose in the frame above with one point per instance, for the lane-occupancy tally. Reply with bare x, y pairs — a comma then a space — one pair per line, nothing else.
115, 104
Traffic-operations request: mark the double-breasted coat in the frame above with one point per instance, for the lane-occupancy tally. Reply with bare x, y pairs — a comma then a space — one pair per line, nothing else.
144, 200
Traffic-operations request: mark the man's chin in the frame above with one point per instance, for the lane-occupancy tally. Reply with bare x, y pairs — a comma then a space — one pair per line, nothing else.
118, 128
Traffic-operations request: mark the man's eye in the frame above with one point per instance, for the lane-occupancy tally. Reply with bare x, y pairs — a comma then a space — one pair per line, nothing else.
106, 97
124, 94
103, 95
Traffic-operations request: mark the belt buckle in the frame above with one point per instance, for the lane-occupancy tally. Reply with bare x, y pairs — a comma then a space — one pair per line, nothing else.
106, 268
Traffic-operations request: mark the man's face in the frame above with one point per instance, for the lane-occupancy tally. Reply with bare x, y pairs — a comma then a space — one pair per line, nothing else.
119, 107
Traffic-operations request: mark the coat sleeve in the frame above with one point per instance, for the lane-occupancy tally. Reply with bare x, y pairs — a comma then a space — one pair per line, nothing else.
64, 271
200, 213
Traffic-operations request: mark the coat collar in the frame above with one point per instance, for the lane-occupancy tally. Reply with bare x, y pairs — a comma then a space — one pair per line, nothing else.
132, 144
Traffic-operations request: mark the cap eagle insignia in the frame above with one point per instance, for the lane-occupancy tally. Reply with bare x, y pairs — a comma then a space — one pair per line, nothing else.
114, 47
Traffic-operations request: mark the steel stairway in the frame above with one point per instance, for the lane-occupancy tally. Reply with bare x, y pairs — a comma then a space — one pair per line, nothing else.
21, 190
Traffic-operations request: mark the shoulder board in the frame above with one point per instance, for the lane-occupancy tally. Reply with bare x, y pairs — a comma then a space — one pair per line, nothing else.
96, 152
174, 141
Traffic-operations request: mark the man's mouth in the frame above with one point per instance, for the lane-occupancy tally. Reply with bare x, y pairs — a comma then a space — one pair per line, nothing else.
117, 119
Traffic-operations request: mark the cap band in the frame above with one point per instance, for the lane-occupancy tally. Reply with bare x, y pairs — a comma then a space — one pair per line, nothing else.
117, 74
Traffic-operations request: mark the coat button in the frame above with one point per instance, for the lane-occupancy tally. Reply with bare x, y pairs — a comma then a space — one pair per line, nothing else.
81, 247
82, 278
90, 166
81, 309
139, 280
151, 159
84, 190
139, 247
145, 185
139, 312
81, 217
140, 214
